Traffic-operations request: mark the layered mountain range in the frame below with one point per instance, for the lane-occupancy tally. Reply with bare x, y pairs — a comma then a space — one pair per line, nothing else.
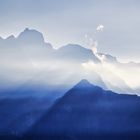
40, 97
33, 38
28, 57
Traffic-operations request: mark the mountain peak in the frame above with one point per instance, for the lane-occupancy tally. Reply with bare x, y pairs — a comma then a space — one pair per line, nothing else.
77, 53
84, 84
31, 36
30, 31
75, 47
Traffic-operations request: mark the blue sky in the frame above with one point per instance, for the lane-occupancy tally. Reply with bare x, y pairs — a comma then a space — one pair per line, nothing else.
67, 21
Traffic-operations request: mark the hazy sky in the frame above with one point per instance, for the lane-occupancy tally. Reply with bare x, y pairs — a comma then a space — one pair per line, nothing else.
67, 21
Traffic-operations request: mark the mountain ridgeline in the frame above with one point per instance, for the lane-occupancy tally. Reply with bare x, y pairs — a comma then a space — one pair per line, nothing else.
28, 55
40, 97
33, 40
87, 112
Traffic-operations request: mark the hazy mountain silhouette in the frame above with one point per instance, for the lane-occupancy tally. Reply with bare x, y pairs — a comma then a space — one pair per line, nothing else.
31, 43
34, 38
30, 49
74, 52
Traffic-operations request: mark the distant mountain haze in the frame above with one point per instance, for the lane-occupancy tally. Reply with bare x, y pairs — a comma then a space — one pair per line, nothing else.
29, 58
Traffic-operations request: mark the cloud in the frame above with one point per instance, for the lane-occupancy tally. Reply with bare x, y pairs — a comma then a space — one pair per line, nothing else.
100, 28
116, 74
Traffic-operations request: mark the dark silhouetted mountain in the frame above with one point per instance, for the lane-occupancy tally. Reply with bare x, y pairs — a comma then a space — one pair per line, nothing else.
87, 112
